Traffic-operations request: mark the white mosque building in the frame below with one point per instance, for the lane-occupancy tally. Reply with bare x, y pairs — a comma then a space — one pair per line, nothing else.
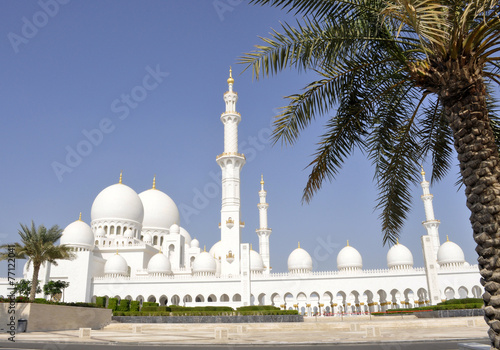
135, 248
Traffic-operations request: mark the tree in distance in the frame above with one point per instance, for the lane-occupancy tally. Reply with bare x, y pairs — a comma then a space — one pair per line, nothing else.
38, 246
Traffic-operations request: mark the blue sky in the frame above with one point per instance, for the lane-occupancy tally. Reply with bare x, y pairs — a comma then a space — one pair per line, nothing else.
66, 72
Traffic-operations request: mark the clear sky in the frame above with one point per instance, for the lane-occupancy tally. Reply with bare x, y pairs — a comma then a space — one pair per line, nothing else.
66, 71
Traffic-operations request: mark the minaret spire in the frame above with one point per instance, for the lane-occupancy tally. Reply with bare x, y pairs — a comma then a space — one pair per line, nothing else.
231, 163
263, 231
430, 223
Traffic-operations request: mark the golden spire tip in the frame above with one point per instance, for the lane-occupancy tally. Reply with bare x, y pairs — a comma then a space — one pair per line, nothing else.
397, 240
261, 179
348, 243
154, 182
80, 217
298, 245
121, 175
447, 239
422, 172
230, 80
204, 248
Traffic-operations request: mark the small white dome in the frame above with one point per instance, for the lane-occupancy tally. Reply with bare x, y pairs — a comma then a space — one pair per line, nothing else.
204, 263
299, 261
118, 201
78, 234
160, 210
146, 238
100, 233
186, 235
174, 229
116, 265
450, 253
160, 264
256, 262
349, 258
128, 233
195, 243
217, 250
399, 256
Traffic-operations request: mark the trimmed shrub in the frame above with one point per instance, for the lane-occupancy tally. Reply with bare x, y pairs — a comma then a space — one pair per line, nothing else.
147, 303
134, 305
124, 305
100, 302
113, 304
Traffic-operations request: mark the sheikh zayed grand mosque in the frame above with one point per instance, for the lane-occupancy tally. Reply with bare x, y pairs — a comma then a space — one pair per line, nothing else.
135, 248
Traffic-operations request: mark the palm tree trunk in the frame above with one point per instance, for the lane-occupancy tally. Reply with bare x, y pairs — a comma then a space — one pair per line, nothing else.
34, 281
478, 155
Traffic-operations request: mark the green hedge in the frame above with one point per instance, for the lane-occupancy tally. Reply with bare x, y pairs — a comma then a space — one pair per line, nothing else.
100, 301
203, 313
124, 305
135, 305
113, 304
201, 308
462, 301
147, 304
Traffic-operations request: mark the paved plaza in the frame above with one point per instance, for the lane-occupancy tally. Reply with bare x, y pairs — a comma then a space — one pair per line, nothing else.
314, 330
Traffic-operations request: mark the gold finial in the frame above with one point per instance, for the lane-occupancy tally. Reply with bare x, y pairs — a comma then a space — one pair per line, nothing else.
422, 172
154, 182
80, 217
121, 174
298, 245
230, 80
447, 239
397, 240
251, 248
204, 248
348, 243
261, 179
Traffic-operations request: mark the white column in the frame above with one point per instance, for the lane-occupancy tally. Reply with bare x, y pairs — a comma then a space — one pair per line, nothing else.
430, 270
263, 231
430, 223
231, 163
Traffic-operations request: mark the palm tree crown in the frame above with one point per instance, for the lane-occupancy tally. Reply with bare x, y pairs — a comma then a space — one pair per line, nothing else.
388, 67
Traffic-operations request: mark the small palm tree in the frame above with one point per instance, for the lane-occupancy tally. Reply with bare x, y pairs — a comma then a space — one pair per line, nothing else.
38, 246
403, 80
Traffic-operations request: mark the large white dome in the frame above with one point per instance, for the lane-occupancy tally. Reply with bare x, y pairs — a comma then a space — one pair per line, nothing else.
450, 254
116, 265
160, 210
217, 250
204, 263
78, 234
399, 257
159, 264
118, 201
256, 262
349, 259
299, 261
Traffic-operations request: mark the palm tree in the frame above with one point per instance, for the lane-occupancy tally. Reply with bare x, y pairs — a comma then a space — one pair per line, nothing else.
403, 80
38, 246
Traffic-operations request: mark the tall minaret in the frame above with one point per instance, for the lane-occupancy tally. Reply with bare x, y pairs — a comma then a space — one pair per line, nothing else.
263, 231
430, 223
231, 163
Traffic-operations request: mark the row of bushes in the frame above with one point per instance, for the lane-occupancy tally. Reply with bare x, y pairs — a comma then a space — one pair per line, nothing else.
205, 313
126, 307
452, 304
